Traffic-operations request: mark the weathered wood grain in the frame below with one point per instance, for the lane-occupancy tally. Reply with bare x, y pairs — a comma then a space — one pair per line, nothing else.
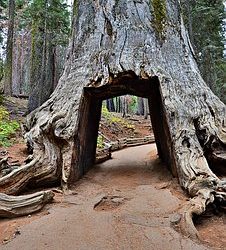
14, 206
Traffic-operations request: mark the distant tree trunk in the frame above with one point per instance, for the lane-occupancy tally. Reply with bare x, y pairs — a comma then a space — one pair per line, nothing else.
139, 48
9, 51
24, 49
140, 106
143, 107
36, 66
146, 108
21, 67
124, 106
43, 68
48, 71
21, 62
53, 62
118, 104
59, 58
110, 105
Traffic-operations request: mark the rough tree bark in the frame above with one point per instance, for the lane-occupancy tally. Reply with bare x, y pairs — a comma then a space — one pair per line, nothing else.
130, 47
9, 51
13, 206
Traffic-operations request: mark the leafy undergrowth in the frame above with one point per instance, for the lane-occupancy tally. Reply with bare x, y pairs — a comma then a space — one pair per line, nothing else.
100, 142
8, 128
113, 127
112, 118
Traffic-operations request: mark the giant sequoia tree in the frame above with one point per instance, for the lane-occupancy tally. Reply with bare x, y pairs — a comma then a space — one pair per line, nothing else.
129, 47
49, 21
9, 51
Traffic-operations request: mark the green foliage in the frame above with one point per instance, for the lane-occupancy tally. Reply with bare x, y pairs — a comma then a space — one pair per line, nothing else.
50, 16
1, 99
20, 4
159, 11
204, 20
7, 127
117, 2
132, 107
4, 114
113, 119
100, 142
3, 5
75, 8
105, 113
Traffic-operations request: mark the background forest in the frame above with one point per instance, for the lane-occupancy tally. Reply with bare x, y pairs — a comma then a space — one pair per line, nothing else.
34, 36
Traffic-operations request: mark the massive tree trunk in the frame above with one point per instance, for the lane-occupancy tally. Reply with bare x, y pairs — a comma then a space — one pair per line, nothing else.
42, 70
129, 47
9, 51
21, 63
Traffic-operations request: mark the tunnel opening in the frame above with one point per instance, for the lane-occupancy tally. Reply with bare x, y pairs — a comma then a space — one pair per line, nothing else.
90, 116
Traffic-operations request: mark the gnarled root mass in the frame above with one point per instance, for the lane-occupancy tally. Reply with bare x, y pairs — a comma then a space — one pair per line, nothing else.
13, 179
210, 192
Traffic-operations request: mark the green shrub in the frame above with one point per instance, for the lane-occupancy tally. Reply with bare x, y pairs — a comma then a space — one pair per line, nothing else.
112, 119
105, 113
160, 15
7, 127
100, 142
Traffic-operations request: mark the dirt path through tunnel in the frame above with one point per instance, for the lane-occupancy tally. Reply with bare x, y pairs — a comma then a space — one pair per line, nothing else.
128, 202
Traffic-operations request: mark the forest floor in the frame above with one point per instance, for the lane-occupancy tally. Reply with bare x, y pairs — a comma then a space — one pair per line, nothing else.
128, 202
129, 127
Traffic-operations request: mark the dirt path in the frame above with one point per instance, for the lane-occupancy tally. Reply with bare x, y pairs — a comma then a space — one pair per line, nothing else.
125, 203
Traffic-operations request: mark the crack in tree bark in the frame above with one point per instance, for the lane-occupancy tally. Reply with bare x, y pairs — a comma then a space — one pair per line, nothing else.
121, 51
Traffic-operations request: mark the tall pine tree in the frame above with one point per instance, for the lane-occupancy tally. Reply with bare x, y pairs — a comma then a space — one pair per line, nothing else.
50, 27
9, 50
204, 20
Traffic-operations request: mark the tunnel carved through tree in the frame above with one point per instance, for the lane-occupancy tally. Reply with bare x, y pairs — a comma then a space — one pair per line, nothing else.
89, 119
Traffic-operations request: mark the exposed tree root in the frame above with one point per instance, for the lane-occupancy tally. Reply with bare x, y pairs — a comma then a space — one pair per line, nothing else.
17, 179
14, 181
196, 206
14, 206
